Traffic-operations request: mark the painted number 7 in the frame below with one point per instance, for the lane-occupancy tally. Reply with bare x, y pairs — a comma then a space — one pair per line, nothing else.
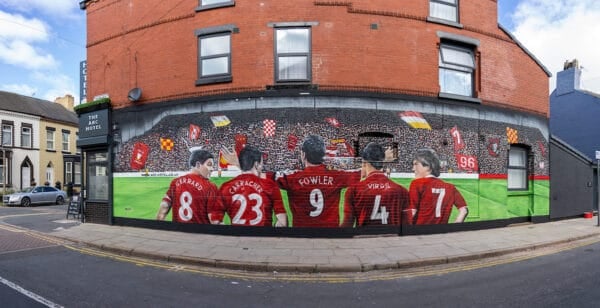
438, 204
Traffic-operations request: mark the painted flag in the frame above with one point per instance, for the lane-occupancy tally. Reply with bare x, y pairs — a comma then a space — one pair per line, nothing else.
414, 119
350, 149
194, 132
333, 122
166, 144
220, 120
240, 142
459, 143
292, 141
331, 151
269, 128
139, 155
223, 163
512, 135
542, 147
466, 162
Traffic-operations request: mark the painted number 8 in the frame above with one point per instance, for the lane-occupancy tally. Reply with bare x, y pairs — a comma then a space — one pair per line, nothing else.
185, 209
316, 201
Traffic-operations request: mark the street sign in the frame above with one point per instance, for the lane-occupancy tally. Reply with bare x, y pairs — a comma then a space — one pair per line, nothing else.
597, 154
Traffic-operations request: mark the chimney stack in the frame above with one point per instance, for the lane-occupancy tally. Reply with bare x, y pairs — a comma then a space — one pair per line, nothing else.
568, 80
66, 101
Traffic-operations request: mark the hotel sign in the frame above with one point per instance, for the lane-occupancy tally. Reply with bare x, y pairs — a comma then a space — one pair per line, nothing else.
93, 124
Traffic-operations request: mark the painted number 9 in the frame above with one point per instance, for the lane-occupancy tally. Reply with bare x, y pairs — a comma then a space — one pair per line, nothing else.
316, 201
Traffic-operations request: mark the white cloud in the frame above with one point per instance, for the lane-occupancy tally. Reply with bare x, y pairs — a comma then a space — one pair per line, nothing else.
22, 89
58, 85
22, 54
559, 30
17, 27
62, 8
18, 36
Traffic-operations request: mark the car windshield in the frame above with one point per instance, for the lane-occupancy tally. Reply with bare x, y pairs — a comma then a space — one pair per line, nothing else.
28, 189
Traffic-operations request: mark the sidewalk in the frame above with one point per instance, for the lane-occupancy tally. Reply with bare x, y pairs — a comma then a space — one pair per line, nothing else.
328, 255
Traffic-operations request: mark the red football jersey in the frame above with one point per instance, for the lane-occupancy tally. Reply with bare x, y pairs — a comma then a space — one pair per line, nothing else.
192, 197
433, 199
250, 200
314, 195
377, 200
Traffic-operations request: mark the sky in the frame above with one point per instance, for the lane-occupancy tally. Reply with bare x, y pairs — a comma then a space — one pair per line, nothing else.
42, 42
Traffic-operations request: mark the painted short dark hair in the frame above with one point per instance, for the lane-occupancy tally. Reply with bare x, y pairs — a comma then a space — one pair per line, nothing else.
248, 156
314, 149
199, 156
428, 158
374, 154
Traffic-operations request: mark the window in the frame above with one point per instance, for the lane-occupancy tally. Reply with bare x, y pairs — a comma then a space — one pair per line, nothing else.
97, 172
2, 172
457, 66
65, 140
211, 4
77, 179
444, 9
293, 55
517, 168
7, 134
49, 139
26, 137
68, 172
214, 54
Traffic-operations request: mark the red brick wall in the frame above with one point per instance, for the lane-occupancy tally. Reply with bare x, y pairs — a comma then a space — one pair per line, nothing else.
151, 44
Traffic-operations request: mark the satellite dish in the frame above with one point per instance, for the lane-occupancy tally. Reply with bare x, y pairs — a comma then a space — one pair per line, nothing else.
134, 94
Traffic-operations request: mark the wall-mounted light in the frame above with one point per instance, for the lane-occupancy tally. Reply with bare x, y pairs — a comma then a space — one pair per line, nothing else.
134, 94
84, 4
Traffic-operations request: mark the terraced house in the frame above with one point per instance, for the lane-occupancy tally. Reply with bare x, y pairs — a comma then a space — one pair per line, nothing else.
444, 75
38, 142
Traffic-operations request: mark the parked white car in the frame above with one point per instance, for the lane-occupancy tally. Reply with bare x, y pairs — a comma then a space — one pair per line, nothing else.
36, 195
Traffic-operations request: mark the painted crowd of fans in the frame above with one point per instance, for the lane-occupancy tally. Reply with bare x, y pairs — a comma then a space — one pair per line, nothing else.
484, 140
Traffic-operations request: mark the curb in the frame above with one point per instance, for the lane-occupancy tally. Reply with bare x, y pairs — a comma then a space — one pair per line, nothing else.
321, 268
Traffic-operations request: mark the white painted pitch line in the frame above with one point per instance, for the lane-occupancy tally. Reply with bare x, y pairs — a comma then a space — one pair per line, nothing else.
29, 294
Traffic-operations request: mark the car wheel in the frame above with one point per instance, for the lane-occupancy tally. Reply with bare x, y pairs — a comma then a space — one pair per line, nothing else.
25, 201
60, 200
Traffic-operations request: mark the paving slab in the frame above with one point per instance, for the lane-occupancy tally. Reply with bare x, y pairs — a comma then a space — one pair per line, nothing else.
327, 255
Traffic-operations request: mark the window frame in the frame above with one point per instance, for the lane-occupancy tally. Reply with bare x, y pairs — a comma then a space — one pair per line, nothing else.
441, 19
66, 141
69, 172
23, 135
77, 173
307, 54
525, 167
10, 142
220, 4
447, 66
50, 140
220, 31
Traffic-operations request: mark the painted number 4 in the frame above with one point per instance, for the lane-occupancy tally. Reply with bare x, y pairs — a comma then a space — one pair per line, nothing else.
377, 214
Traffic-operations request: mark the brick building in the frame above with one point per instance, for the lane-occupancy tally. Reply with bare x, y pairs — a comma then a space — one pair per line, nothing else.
437, 74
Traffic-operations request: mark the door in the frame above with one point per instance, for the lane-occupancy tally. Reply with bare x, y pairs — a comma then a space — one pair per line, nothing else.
25, 177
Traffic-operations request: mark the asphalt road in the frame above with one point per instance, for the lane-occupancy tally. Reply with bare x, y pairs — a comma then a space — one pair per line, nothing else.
73, 276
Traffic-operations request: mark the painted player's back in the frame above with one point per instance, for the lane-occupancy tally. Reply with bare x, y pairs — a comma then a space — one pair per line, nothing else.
314, 195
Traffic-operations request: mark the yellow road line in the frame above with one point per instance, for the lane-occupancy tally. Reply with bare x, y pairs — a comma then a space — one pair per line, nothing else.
22, 215
315, 277
330, 277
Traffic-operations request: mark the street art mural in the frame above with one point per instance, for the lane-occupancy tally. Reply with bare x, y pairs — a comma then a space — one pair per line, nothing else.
330, 167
